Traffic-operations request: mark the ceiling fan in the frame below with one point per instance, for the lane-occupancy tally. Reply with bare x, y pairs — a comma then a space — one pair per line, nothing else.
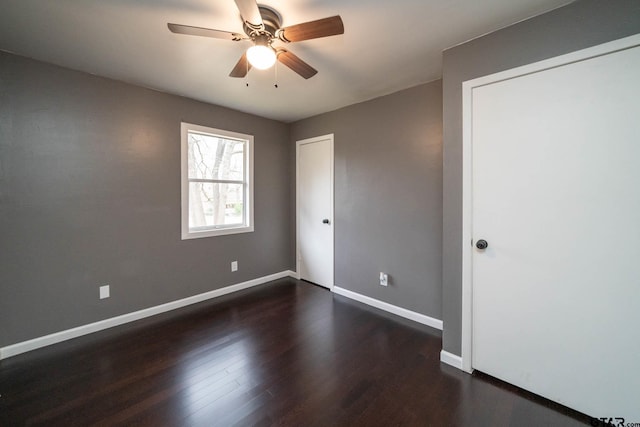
262, 26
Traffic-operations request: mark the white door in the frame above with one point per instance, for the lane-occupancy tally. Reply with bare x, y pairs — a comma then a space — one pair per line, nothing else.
556, 194
315, 210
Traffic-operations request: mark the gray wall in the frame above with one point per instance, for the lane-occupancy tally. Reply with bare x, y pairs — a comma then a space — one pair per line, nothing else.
388, 195
577, 26
90, 195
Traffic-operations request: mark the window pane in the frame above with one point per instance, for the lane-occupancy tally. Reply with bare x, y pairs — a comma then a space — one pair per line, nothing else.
211, 157
215, 204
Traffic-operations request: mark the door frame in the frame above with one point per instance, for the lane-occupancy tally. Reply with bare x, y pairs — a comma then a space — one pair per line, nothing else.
467, 171
331, 209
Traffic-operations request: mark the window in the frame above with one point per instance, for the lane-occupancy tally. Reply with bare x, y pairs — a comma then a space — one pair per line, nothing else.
217, 182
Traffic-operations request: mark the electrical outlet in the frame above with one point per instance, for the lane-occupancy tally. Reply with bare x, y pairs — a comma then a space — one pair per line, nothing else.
104, 291
384, 279
234, 265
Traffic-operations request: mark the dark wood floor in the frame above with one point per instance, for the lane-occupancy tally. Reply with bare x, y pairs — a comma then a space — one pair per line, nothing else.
286, 353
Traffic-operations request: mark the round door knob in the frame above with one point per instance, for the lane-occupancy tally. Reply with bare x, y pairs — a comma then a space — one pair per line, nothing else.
482, 244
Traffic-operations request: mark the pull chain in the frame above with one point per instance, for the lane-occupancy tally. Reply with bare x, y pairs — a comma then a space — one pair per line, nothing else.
276, 71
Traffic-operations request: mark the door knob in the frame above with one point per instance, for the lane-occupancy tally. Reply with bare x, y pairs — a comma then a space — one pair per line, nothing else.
482, 244
325, 221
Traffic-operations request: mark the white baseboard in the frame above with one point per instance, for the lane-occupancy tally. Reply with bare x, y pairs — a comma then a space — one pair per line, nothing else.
293, 274
451, 359
399, 311
22, 347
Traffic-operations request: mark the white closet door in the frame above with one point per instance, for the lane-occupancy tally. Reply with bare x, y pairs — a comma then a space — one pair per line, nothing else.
315, 210
556, 194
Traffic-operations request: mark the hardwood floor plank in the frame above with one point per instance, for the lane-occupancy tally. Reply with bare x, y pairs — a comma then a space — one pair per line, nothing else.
283, 354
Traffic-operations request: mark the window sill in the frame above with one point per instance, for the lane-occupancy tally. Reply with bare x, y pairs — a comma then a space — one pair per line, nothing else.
186, 234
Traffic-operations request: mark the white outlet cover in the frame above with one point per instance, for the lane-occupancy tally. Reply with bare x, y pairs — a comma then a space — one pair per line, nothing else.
234, 266
104, 292
384, 279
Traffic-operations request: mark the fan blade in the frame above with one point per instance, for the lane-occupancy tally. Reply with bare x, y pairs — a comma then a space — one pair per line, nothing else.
250, 13
204, 32
242, 67
312, 30
296, 64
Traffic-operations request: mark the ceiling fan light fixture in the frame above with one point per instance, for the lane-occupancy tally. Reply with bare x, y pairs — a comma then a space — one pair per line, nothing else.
262, 25
261, 56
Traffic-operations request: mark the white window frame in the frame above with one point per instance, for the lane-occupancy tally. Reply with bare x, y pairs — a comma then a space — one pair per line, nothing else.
219, 230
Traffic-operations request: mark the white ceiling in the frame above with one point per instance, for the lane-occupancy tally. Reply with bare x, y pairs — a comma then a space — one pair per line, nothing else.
387, 46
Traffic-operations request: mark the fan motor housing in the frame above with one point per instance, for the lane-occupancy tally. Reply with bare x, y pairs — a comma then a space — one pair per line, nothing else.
271, 20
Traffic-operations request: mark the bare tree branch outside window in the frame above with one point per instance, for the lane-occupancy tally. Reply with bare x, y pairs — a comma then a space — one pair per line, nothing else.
216, 180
